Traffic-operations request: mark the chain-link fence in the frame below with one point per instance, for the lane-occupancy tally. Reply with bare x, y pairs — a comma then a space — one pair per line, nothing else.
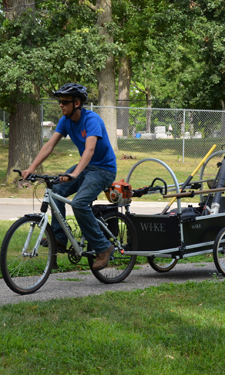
182, 132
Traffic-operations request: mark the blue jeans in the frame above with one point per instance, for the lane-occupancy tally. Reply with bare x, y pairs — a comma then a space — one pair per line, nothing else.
88, 185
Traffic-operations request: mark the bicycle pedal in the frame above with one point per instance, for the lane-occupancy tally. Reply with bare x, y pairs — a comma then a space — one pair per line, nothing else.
88, 253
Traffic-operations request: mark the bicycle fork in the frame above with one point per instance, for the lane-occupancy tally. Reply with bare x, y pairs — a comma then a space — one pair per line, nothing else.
42, 225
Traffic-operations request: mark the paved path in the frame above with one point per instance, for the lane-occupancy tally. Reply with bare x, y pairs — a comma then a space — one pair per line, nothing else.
13, 208
56, 288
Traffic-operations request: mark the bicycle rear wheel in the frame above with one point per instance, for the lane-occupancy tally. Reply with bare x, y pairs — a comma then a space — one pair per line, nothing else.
23, 272
161, 264
119, 265
219, 251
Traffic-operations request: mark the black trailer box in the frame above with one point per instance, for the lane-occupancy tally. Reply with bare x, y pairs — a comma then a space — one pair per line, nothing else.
156, 232
161, 232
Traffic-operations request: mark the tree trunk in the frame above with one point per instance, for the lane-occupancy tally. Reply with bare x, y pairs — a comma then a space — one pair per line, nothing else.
14, 7
24, 135
124, 95
106, 77
24, 123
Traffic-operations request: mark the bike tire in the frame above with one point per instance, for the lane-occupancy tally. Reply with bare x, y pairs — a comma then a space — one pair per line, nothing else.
119, 266
160, 264
219, 251
25, 274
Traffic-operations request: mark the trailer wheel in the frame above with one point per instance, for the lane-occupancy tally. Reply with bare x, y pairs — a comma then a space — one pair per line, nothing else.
162, 264
219, 252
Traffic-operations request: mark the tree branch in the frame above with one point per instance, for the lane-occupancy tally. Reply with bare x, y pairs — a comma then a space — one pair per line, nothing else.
137, 87
88, 4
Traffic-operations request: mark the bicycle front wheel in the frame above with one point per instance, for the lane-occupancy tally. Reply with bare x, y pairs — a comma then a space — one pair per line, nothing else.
24, 270
119, 265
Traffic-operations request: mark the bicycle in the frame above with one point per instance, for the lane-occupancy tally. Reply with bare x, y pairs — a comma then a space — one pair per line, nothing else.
26, 264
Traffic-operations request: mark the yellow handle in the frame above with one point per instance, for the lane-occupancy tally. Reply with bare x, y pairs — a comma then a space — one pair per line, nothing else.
195, 171
203, 160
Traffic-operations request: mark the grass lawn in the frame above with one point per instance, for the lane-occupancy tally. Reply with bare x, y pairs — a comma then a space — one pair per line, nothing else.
170, 329
66, 154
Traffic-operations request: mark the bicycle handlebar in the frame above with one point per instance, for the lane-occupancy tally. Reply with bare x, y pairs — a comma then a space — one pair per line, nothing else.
18, 171
46, 178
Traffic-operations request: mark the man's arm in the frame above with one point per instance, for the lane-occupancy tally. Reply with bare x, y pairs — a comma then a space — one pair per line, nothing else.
90, 145
45, 151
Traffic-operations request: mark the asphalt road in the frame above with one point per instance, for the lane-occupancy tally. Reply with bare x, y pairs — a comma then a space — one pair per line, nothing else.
57, 287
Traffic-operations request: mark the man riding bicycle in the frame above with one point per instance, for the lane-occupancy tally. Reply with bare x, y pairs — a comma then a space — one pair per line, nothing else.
95, 171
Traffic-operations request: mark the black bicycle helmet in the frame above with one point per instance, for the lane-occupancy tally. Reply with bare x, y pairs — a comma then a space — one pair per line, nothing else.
73, 89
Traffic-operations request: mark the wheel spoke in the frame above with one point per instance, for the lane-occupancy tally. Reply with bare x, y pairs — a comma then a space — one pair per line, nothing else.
120, 265
23, 272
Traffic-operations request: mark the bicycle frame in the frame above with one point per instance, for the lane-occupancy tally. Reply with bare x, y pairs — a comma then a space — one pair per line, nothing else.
49, 197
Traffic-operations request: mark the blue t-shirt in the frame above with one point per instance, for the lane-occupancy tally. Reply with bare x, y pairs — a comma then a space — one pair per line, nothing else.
90, 124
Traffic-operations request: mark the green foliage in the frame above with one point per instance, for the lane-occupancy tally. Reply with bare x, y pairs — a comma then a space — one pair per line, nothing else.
6, 123
211, 27
55, 44
169, 61
2, 129
51, 112
176, 49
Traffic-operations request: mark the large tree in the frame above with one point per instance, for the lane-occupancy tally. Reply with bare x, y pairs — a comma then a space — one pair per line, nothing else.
24, 117
106, 76
133, 26
209, 87
44, 49
152, 33
169, 62
186, 54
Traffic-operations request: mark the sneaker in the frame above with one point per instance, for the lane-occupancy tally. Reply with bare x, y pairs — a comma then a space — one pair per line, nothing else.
60, 248
102, 259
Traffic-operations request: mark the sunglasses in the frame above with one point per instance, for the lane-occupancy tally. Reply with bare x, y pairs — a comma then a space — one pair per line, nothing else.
65, 102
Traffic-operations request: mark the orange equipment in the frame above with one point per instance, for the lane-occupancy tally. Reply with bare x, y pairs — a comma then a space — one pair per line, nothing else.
119, 192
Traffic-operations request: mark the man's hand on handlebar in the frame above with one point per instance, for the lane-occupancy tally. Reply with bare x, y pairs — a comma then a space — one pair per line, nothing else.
66, 177
26, 173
